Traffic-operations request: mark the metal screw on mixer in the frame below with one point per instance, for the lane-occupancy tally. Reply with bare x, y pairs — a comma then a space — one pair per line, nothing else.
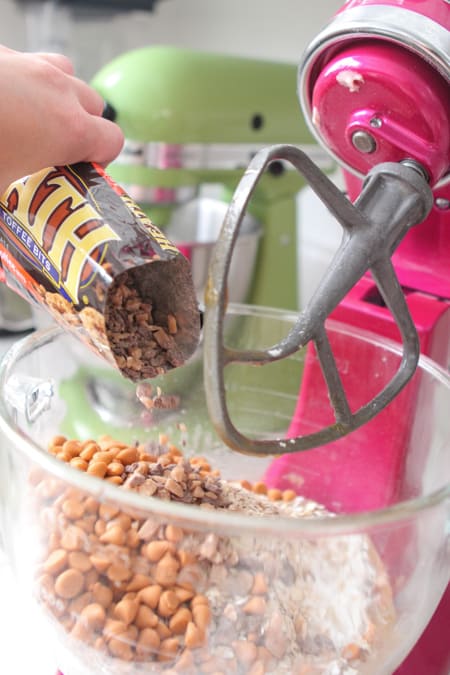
364, 142
440, 202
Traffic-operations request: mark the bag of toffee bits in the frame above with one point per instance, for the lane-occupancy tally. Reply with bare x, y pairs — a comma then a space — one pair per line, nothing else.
73, 241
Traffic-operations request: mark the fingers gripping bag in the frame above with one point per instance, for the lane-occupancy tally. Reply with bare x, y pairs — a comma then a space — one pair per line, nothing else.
73, 241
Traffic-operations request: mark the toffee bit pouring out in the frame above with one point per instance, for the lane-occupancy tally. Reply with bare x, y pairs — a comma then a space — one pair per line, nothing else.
153, 397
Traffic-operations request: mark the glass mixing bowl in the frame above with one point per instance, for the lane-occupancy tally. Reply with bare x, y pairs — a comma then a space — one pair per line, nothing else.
124, 582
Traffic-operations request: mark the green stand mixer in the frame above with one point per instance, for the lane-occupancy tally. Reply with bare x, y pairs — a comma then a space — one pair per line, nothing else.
194, 119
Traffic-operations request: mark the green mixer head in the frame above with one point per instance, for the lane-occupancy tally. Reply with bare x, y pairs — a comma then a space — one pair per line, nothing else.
212, 111
191, 118
177, 95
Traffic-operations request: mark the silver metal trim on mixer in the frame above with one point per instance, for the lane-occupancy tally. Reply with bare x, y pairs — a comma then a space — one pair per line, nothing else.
160, 156
205, 156
151, 195
413, 31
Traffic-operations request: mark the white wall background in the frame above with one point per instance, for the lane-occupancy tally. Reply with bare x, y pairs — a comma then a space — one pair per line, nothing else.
273, 29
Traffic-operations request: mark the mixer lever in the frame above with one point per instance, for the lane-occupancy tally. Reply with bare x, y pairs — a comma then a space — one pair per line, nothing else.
395, 196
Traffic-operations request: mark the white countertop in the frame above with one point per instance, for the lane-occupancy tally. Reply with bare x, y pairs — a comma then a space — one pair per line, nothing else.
23, 650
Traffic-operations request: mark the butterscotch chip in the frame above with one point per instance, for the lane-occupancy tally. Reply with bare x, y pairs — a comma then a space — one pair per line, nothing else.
199, 600
259, 584
100, 562
263, 654
55, 450
146, 617
79, 463
201, 615
58, 440
128, 456
56, 561
351, 651
166, 571
174, 533
91, 505
115, 468
115, 480
148, 641
94, 616
107, 512
114, 535
72, 448
138, 583
258, 668
114, 628
163, 630
185, 662
150, 595
256, 605
89, 451
168, 649
90, 578
81, 631
179, 621
98, 469
133, 539
184, 594
126, 610
80, 561
155, 550
194, 637
121, 649
259, 488
245, 484
274, 494
168, 603
102, 594
73, 538
69, 584
186, 557
77, 605
118, 572
245, 651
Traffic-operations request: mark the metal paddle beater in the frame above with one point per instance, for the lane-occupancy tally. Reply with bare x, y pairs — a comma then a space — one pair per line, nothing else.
395, 196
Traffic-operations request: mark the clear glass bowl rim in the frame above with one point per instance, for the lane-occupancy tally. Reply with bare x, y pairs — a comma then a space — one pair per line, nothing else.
231, 522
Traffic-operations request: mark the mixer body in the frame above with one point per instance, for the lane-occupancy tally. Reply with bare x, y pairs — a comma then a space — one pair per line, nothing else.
192, 121
374, 87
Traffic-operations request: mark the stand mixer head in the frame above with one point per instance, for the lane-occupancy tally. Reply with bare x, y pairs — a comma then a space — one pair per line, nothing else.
194, 119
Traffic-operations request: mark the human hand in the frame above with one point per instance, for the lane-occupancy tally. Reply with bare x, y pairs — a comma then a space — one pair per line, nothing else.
49, 117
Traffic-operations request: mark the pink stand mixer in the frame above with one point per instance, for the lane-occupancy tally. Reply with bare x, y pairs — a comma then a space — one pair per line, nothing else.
374, 88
